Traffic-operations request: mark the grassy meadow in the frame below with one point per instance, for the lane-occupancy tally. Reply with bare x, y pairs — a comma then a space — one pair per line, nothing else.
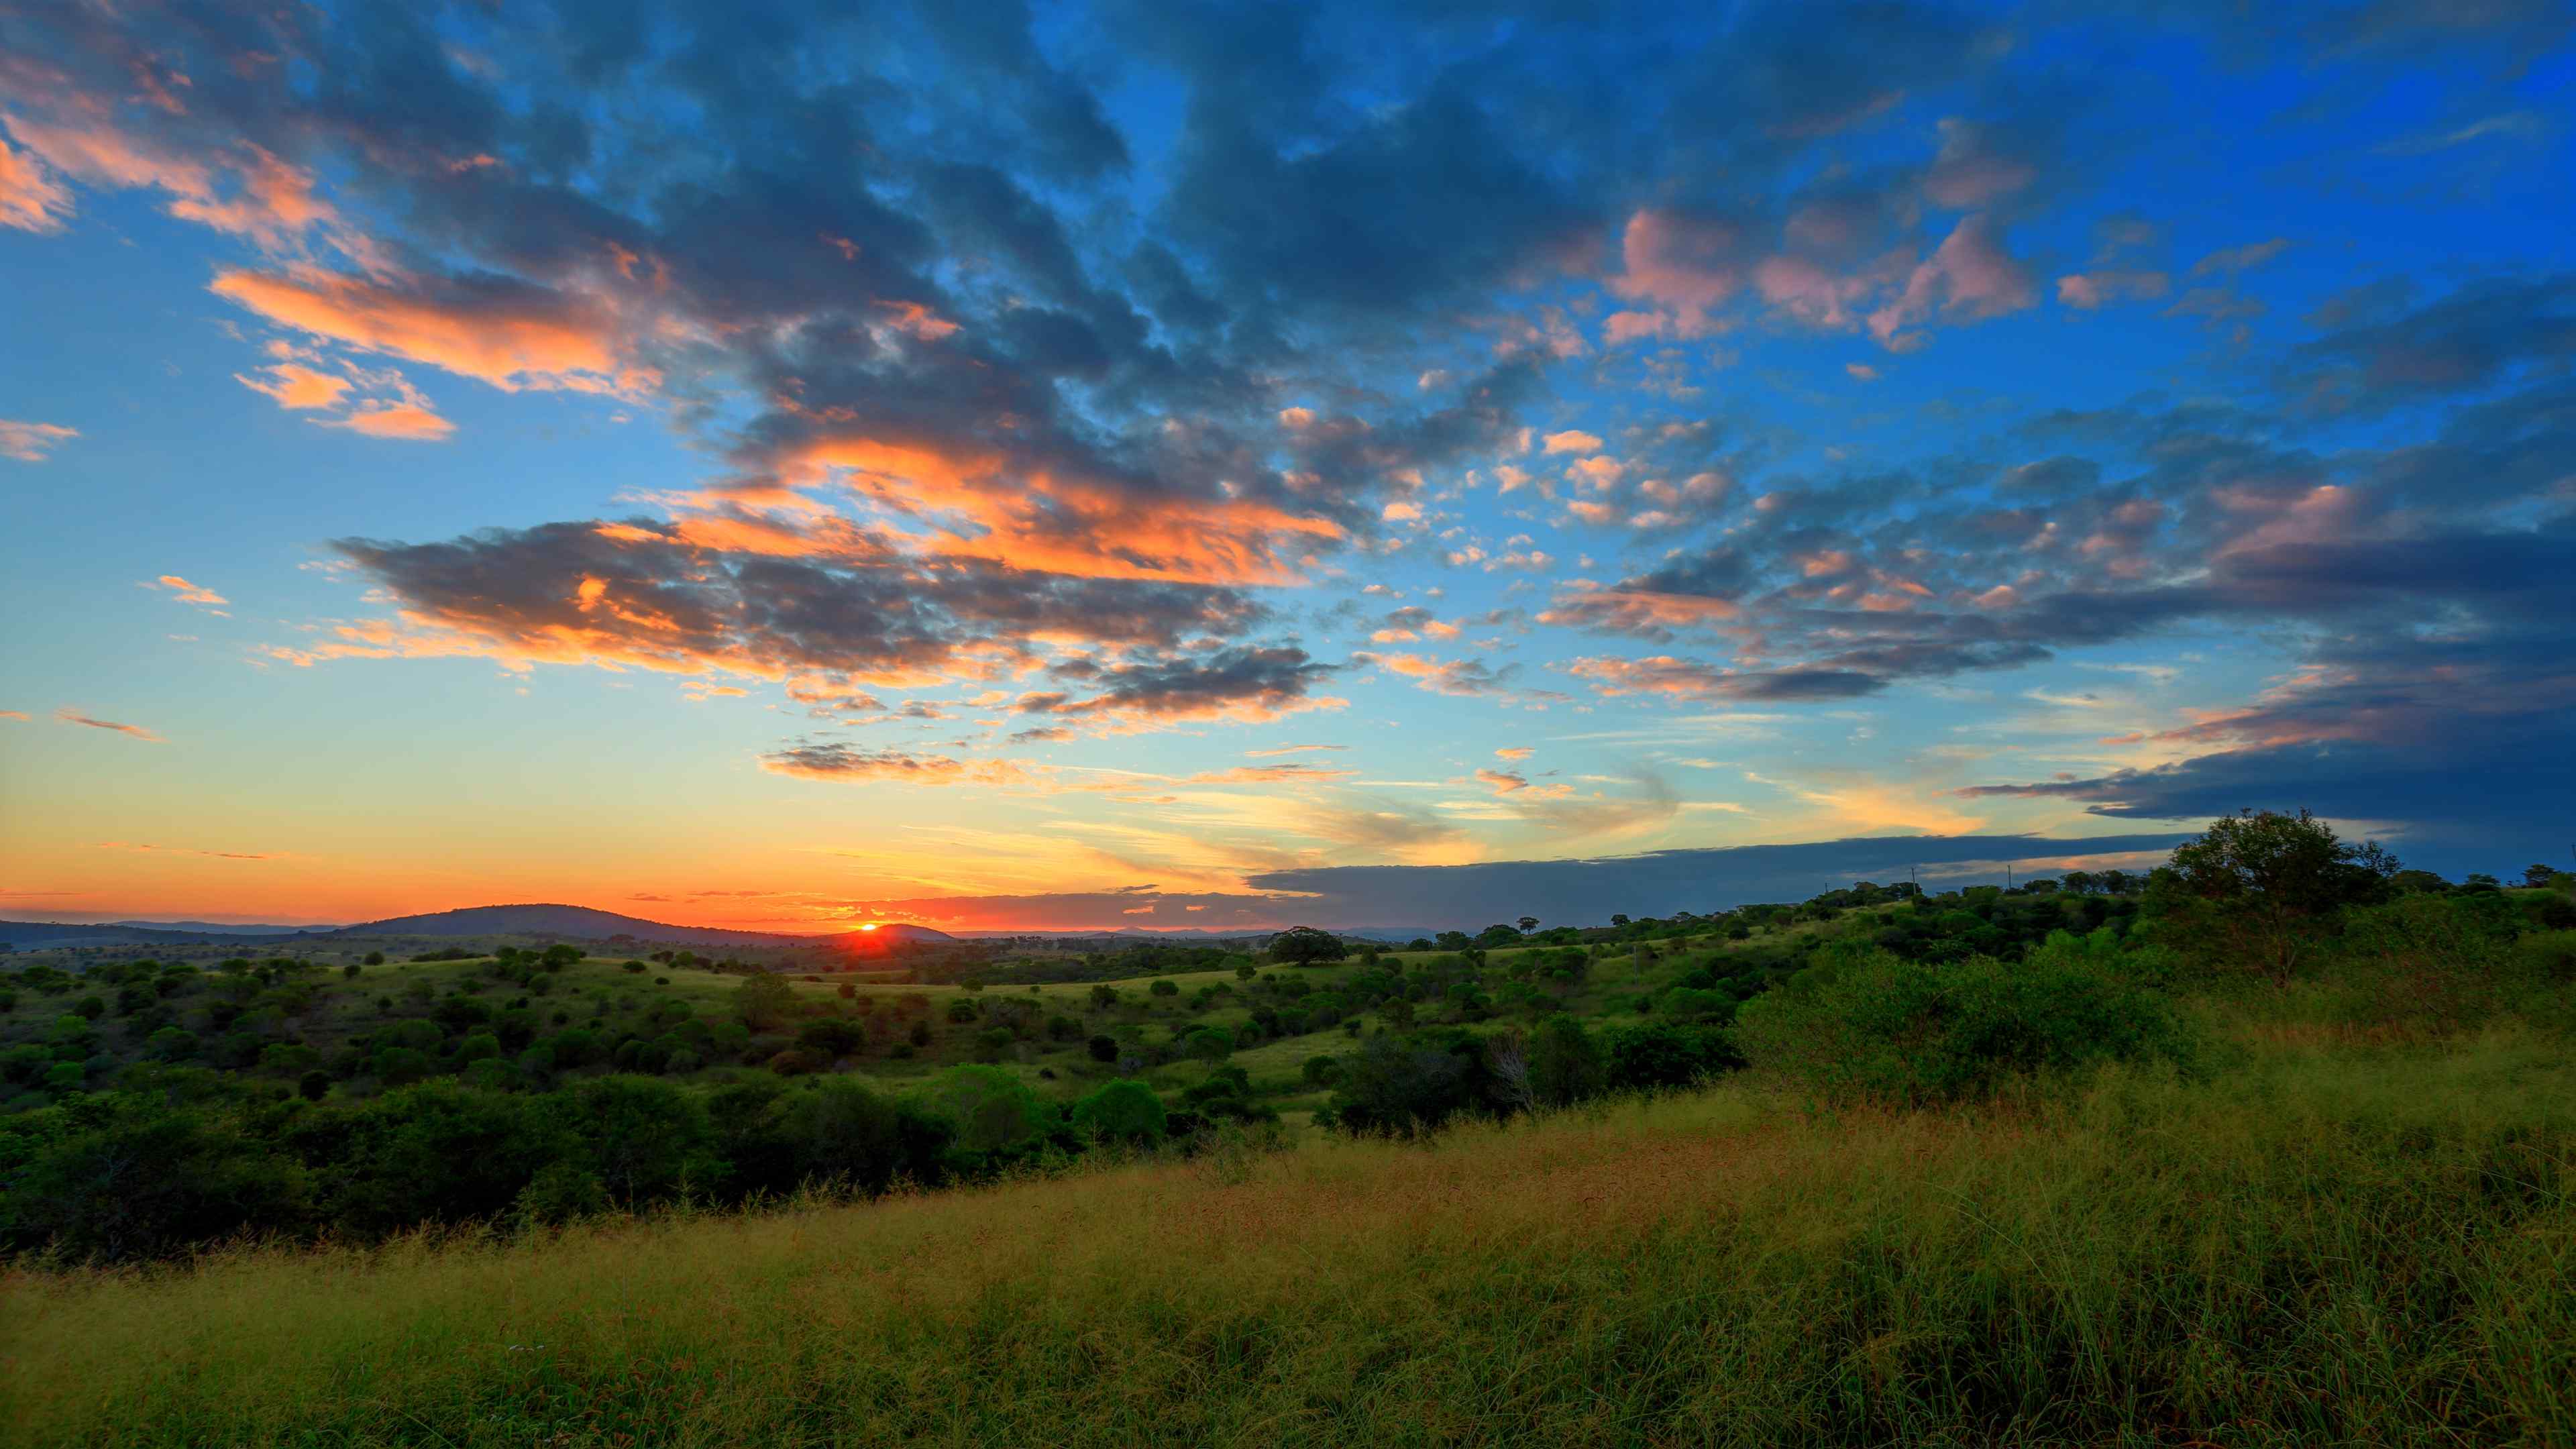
2327, 1235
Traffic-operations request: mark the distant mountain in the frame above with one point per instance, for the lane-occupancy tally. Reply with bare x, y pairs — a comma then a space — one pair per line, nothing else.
61, 935
576, 922
588, 924
220, 928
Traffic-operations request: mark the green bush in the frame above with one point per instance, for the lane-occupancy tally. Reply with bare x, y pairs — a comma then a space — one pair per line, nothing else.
993, 1111
1122, 1111
1871, 1026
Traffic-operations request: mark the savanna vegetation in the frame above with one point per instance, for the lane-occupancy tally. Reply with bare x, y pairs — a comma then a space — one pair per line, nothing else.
2272, 1144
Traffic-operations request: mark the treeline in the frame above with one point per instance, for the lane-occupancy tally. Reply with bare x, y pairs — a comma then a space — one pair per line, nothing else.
165, 1164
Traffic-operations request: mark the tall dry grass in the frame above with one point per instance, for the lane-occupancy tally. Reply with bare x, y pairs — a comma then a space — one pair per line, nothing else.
2328, 1243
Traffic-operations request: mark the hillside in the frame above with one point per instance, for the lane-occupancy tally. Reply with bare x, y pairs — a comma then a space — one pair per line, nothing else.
2149, 1261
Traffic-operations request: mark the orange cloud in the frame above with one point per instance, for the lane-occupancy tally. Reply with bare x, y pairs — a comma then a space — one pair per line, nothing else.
188, 593
397, 420
985, 505
296, 386
510, 335
1515, 752
70, 716
30, 200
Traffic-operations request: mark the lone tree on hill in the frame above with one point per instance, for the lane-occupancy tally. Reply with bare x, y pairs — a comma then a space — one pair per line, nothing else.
1306, 946
2268, 883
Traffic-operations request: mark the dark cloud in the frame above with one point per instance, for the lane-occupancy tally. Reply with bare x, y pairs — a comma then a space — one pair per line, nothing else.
640, 594
1243, 683
2380, 354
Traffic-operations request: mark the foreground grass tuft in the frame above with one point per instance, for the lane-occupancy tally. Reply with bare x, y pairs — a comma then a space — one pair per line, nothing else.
2331, 1242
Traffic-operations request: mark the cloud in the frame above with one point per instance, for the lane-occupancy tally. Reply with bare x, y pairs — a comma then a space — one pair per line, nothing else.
2379, 353
1267, 775
397, 420
1514, 752
1588, 891
70, 716
30, 200
1449, 676
31, 442
847, 614
296, 386
1246, 684
2088, 291
851, 765
19, 715
1288, 750
509, 334
1668, 676
188, 850
188, 593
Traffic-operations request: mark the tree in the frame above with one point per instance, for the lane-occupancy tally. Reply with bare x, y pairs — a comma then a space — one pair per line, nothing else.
1103, 1048
1528, 924
992, 1110
1566, 1064
1211, 1043
2538, 875
1122, 1111
1306, 946
2269, 884
765, 1001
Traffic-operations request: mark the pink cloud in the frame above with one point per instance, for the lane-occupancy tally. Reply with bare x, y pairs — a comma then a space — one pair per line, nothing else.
31, 442
30, 200
1684, 266
2089, 290
1969, 277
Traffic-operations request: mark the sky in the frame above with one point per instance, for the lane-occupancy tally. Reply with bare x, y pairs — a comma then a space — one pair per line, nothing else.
778, 465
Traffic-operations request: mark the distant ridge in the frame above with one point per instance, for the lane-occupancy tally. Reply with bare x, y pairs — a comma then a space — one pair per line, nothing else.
582, 921
579, 922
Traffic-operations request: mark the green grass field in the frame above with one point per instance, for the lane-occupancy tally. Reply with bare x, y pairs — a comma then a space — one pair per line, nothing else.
2329, 1240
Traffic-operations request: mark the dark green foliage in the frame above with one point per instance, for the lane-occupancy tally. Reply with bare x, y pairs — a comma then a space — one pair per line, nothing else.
120, 1177
1868, 1025
1666, 1054
1394, 1084
1103, 1048
1566, 1063
1122, 1111
1306, 946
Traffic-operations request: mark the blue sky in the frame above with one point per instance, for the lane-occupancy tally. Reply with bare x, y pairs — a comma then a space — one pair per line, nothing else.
1074, 465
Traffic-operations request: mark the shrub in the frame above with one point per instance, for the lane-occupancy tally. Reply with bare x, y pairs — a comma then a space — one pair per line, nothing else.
1664, 1054
1868, 1025
1122, 1111
1104, 1048
993, 1111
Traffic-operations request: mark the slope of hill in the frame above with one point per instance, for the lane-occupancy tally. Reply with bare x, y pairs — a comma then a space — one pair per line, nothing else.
589, 924
2334, 1243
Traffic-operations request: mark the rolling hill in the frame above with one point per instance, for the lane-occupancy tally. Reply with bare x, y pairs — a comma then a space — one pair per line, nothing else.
589, 924
579, 922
